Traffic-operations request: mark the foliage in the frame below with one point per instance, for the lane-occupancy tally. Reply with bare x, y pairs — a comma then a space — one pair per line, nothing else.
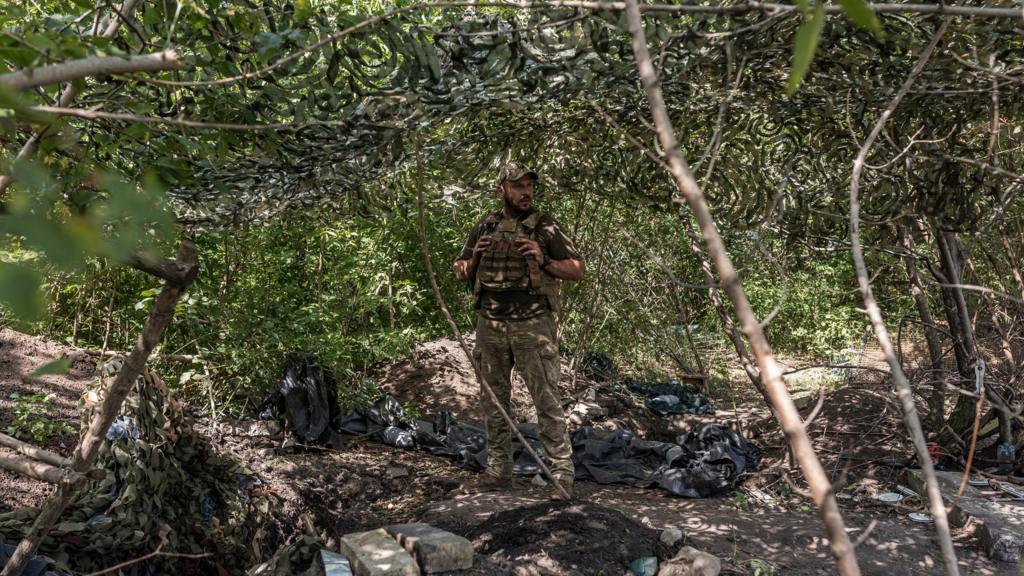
306, 230
33, 418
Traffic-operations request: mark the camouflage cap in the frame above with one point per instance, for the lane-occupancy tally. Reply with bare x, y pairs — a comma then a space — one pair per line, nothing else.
514, 171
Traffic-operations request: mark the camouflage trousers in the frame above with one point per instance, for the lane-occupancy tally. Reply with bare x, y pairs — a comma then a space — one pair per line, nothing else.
530, 346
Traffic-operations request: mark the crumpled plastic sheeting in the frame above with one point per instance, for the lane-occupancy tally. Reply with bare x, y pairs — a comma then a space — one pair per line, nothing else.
705, 462
709, 461
308, 394
666, 398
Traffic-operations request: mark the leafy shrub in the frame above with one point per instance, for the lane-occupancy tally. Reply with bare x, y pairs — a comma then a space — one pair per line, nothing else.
33, 419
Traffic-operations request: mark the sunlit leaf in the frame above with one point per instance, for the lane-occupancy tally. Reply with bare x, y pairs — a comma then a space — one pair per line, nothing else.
862, 15
58, 366
804, 45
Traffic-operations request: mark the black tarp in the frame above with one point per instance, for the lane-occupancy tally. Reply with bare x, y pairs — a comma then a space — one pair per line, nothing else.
308, 397
711, 460
671, 397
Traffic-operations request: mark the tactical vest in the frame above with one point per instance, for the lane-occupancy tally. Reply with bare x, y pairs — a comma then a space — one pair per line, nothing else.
502, 268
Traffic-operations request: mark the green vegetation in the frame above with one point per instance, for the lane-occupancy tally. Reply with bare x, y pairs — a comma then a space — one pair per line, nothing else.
33, 418
289, 143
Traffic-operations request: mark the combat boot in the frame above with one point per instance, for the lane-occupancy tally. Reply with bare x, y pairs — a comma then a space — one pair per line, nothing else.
566, 484
485, 483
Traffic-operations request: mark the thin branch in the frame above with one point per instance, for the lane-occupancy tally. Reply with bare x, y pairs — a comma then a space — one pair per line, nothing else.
182, 123
905, 392
67, 96
95, 66
164, 531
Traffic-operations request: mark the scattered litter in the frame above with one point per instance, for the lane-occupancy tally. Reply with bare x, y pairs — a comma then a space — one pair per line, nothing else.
646, 566
920, 517
706, 462
907, 491
598, 367
978, 481
331, 564
666, 398
889, 497
308, 395
123, 428
670, 536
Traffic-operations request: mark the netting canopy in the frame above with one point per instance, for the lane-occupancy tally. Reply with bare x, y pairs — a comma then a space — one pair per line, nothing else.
350, 96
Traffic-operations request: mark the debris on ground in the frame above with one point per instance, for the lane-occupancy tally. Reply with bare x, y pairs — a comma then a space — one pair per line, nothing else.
691, 562
161, 474
565, 539
307, 397
993, 515
711, 460
666, 398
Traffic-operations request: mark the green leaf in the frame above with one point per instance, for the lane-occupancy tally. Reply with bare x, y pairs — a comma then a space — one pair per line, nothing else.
805, 7
804, 45
58, 366
303, 10
19, 291
863, 16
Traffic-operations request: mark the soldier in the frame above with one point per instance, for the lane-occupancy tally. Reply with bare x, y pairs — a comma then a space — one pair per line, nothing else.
515, 258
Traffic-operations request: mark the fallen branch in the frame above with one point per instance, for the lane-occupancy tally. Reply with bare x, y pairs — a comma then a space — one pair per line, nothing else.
86, 67
42, 455
37, 470
88, 449
769, 370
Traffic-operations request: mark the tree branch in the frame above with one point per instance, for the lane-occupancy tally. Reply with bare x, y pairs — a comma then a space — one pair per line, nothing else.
874, 312
86, 67
88, 448
771, 373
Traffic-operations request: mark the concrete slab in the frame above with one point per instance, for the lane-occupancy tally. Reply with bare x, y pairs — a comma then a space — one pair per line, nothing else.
375, 553
999, 525
435, 550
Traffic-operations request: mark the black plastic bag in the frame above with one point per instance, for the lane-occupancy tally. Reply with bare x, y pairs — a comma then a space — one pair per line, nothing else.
308, 397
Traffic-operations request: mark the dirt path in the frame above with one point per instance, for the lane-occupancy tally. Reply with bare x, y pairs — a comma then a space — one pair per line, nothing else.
793, 541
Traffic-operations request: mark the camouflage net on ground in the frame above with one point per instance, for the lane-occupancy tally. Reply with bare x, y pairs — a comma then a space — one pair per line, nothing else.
160, 471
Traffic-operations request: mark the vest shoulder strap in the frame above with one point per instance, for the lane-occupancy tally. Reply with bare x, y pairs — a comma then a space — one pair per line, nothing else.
532, 220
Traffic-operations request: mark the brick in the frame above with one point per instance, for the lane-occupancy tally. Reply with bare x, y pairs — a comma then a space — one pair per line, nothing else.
436, 550
375, 553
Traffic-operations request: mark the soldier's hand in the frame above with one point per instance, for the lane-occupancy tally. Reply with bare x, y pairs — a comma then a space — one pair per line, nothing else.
482, 244
530, 249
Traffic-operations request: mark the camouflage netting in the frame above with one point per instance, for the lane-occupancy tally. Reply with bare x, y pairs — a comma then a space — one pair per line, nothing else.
160, 471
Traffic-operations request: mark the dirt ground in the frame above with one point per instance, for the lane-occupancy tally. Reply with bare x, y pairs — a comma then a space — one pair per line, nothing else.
366, 485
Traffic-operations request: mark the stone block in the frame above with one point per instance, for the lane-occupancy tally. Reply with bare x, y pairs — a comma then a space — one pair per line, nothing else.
436, 550
691, 562
671, 535
375, 553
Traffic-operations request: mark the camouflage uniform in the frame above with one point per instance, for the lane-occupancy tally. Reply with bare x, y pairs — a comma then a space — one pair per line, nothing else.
517, 303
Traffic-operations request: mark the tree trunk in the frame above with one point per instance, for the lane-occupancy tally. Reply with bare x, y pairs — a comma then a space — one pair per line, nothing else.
937, 401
